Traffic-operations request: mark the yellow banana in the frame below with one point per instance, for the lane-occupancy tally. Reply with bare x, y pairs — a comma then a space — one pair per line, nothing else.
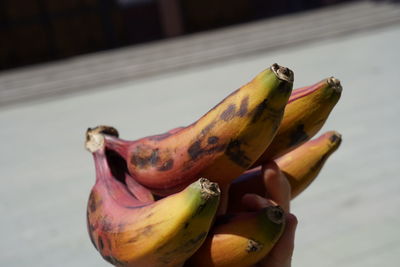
240, 240
220, 145
128, 231
306, 112
301, 166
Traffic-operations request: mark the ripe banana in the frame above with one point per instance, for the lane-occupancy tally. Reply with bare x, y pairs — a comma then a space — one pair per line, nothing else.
240, 239
301, 166
128, 231
306, 112
221, 145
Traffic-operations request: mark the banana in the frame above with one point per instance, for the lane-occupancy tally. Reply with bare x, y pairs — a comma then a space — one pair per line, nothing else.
306, 112
241, 239
221, 145
301, 166
129, 230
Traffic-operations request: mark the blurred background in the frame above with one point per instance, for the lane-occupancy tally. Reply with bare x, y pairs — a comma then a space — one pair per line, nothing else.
60, 29
146, 66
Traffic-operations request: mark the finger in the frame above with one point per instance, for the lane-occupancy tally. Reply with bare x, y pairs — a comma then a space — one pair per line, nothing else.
282, 252
253, 202
277, 186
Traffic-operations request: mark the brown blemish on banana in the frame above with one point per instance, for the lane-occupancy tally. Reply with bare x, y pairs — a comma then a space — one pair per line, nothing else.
167, 165
146, 230
208, 128
298, 136
91, 229
243, 107
196, 151
236, 154
145, 156
253, 246
106, 224
200, 209
228, 113
212, 140
186, 225
259, 110
93, 203
149, 214
133, 239
100, 243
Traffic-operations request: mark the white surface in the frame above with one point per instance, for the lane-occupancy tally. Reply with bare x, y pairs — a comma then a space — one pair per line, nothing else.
348, 217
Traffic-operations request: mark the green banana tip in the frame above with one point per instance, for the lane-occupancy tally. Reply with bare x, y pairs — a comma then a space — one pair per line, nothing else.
283, 73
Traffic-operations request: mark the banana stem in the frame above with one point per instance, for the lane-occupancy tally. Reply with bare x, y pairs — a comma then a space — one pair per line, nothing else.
282, 73
95, 137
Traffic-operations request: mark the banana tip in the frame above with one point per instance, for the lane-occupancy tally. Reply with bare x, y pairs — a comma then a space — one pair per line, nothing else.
253, 246
283, 73
335, 84
335, 138
209, 189
275, 214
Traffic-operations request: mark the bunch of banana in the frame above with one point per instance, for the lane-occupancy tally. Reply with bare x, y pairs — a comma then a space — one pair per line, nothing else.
300, 166
306, 112
220, 145
151, 206
129, 228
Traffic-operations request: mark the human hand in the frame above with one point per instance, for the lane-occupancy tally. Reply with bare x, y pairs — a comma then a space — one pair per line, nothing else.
277, 193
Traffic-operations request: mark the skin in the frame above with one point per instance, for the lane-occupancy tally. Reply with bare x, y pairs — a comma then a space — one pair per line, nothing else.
277, 193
